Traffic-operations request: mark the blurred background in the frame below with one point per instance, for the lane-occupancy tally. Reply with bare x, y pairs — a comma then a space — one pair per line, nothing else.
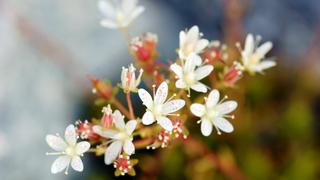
48, 47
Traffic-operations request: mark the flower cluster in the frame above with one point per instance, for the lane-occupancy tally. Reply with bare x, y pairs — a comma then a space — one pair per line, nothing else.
193, 83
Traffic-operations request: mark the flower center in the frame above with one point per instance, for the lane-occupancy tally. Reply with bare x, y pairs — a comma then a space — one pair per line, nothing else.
70, 151
157, 110
121, 18
189, 78
212, 114
188, 48
122, 136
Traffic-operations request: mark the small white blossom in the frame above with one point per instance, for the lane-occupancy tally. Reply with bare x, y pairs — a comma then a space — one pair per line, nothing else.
253, 56
213, 113
120, 137
69, 151
119, 13
191, 42
189, 76
159, 108
128, 79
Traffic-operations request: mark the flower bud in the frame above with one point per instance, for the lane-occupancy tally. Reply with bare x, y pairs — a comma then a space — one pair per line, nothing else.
233, 74
85, 131
215, 52
102, 89
144, 48
107, 119
128, 79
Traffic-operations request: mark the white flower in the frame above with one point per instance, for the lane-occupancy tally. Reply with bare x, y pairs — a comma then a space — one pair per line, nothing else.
159, 108
213, 113
69, 151
252, 55
128, 79
191, 42
120, 137
119, 13
189, 76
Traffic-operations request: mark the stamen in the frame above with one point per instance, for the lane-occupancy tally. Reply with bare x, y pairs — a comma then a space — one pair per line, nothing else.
218, 131
54, 153
154, 90
238, 45
66, 172
174, 95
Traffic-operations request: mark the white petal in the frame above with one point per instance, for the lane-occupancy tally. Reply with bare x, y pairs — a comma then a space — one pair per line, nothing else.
181, 84
199, 87
71, 135
165, 123
224, 125
118, 119
130, 126
109, 133
206, 127
203, 71
109, 24
176, 69
106, 8
193, 34
56, 143
249, 45
128, 147
60, 164
172, 106
264, 65
262, 50
148, 118
145, 98
197, 109
76, 164
213, 98
201, 44
191, 62
128, 5
227, 107
112, 152
137, 12
182, 39
162, 93
82, 147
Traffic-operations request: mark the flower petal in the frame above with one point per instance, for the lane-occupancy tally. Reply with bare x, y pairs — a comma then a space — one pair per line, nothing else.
76, 164
181, 84
128, 6
191, 62
130, 126
249, 45
128, 147
182, 39
106, 8
145, 98
71, 135
177, 70
199, 87
213, 98
165, 123
206, 127
82, 147
227, 107
262, 50
193, 34
203, 71
60, 164
108, 24
197, 109
112, 152
264, 65
56, 143
201, 44
161, 94
172, 106
148, 118
118, 119
137, 12
223, 125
